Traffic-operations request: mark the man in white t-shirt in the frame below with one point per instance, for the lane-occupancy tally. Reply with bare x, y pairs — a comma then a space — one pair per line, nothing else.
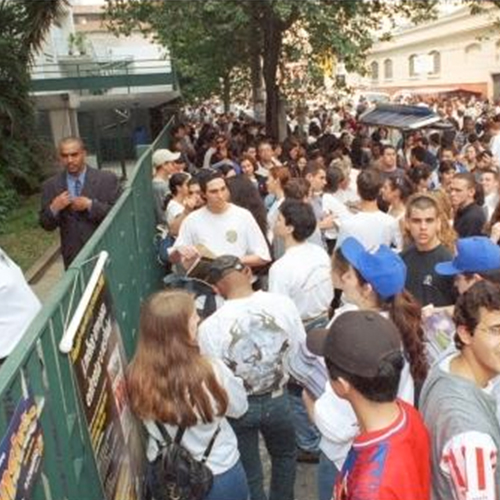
304, 272
370, 226
257, 335
221, 227
304, 275
18, 305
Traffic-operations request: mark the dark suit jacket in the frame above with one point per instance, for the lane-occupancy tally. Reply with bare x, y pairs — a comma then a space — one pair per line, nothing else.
76, 228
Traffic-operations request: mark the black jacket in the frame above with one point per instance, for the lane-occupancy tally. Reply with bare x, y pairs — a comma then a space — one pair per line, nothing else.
76, 228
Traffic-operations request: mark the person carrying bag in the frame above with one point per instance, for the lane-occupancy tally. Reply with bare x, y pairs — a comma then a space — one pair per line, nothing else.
175, 474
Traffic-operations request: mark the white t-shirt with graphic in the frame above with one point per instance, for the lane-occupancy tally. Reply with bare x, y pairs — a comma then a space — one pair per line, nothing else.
233, 232
255, 336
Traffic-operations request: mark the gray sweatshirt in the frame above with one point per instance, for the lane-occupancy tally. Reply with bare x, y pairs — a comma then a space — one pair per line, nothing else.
465, 436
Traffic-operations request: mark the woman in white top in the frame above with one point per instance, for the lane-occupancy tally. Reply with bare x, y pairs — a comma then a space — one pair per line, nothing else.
371, 280
179, 204
171, 383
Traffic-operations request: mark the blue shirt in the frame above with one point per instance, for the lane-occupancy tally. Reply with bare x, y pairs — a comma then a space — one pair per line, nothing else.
71, 181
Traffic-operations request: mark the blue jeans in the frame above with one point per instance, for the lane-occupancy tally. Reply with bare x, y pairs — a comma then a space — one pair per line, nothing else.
230, 485
327, 475
271, 416
306, 434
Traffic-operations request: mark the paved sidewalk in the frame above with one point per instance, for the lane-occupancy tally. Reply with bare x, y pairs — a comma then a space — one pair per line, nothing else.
51, 276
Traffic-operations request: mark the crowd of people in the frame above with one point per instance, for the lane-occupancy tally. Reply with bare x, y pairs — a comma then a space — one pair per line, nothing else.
357, 274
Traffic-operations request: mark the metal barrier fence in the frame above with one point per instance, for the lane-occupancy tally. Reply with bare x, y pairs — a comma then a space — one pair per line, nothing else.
68, 469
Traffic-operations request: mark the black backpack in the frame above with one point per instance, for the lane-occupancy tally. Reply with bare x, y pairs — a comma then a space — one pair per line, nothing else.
175, 474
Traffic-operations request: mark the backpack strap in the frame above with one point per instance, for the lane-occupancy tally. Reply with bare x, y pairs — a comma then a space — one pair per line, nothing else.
210, 445
167, 440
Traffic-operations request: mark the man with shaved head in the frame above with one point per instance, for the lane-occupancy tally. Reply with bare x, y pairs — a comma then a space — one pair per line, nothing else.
77, 199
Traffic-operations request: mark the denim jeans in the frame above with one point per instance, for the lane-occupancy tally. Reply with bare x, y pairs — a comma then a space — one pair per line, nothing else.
230, 485
327, 475
306, 433
271, 416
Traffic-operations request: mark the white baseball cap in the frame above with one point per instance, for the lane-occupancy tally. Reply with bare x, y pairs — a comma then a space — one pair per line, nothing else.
161, 156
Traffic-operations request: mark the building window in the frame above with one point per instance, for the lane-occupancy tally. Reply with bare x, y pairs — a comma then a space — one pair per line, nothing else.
436, 62
472, 51
411, 65
388, 69
374, 70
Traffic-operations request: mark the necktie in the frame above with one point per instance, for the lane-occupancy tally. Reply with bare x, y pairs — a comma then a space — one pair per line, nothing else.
78, 187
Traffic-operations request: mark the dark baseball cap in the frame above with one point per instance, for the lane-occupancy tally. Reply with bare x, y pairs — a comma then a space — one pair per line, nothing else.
357, 342
222, 266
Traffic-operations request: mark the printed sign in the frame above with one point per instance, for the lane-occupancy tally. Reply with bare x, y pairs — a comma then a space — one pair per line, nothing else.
99, 363
21, 451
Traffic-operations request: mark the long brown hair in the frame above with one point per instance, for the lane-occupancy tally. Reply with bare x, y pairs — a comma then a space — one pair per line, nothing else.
168, 379
406, 314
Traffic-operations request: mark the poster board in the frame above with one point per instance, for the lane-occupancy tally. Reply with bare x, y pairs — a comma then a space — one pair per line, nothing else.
21, 451
99, 365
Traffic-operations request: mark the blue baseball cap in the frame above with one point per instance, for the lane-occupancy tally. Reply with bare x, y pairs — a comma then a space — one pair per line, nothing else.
474, 255
383, 268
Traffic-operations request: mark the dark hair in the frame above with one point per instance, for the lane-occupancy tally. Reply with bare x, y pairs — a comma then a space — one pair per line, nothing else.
386, 147
369, 183
226, 168
383, 387
297, 189
403, 184
405, 312
208, 175
419, 173
483, 294
484, 153
299, 215
446, 166
246, 195
419, 153
176, 181
334, 176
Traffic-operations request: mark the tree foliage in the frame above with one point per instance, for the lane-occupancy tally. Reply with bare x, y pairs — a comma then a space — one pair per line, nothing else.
24, 25
209, 39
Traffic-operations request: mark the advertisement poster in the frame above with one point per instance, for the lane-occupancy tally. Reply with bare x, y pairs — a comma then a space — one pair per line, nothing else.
21, 451
99, 362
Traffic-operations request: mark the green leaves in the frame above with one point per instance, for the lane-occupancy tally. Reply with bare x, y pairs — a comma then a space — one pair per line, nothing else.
24, 25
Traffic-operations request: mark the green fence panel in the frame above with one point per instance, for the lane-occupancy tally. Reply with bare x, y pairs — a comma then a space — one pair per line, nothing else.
68, 470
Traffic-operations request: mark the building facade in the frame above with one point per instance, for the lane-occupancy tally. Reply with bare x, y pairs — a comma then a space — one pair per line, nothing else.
457, 50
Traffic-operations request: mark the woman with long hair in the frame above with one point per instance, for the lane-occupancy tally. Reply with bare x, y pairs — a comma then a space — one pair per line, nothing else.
249, 168
171, 384
370, 280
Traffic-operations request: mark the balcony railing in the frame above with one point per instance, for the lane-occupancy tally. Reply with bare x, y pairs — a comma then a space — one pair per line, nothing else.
97, 77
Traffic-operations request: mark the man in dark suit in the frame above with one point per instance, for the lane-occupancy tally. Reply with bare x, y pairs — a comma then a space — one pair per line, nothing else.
76, 200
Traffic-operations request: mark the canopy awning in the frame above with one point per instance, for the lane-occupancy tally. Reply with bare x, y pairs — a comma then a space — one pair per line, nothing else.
403, 117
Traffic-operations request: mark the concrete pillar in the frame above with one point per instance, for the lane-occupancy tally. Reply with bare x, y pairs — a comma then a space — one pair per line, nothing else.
64, 123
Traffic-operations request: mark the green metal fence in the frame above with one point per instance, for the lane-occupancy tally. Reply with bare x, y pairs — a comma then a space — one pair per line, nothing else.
68, 467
